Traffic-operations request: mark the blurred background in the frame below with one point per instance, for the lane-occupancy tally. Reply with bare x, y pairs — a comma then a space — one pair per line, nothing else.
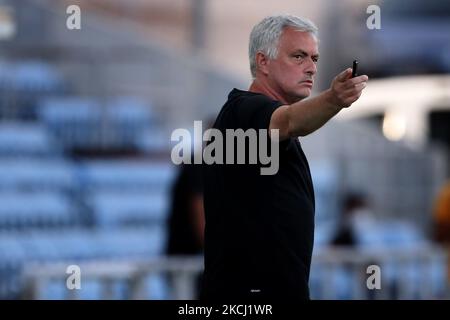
86, 117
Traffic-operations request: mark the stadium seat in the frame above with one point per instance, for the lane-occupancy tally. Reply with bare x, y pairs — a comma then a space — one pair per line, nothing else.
39, 174
128, 208
26, 140
35, 209
126, 175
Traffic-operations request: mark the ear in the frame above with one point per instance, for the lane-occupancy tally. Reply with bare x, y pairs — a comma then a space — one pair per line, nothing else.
262, 63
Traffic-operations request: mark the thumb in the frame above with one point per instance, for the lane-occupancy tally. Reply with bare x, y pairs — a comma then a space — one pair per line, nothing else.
344, 75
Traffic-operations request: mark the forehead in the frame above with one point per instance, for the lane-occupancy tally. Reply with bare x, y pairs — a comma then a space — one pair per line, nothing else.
292, 39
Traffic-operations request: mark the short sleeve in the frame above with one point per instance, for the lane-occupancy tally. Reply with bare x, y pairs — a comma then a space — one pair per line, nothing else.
255, 112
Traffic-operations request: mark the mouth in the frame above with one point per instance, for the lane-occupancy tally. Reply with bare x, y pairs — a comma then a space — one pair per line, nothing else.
307, 83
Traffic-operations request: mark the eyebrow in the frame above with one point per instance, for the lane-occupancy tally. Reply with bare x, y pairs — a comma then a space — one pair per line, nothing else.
306, 53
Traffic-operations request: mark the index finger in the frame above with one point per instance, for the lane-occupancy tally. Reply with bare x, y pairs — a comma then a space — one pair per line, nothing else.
344, 75
358, 79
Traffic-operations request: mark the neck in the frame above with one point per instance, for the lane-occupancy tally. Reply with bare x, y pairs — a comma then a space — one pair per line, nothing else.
263, 87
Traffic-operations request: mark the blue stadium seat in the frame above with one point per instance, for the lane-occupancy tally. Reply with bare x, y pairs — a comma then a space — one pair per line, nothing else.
131, 243
131, 112
128, 118
76, 121
23, 83
74, 245
128, 208
35, 209
12, 255
11, 249
26, 140
390, 234
88, 122
325, 175
6, 75
154, 140
39, 174
126, 175
36, 76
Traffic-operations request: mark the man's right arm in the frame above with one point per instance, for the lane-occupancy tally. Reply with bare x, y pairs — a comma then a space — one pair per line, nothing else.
306, 116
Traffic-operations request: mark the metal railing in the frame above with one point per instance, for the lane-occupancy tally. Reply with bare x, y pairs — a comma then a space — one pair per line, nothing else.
328, 266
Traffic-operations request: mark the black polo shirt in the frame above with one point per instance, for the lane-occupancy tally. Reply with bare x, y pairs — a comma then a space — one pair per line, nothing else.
259, 229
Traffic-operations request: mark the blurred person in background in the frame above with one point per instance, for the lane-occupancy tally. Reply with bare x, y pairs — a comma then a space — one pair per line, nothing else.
356, 218
356, 213
187, 217
259, 229
442, 215
442, 221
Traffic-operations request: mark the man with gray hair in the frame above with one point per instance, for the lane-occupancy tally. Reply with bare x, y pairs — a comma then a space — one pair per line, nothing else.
259, 229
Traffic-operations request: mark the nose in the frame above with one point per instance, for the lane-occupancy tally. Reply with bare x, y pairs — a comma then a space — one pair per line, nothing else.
311, 67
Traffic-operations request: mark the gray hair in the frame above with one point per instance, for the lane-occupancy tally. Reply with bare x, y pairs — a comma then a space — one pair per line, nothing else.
266, 35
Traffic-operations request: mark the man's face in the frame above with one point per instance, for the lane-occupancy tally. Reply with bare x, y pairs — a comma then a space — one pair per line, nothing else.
292, 72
